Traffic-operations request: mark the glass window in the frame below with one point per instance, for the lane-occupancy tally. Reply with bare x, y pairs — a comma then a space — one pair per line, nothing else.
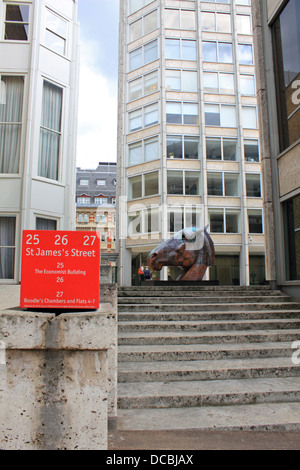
217, 52
249, 117
173, 80
175, 219
143, 151
232, 221
174, 113
174, 146
218, 148
225, 52
45, 224
135, 5
181, 80
135, 89
192, 183
151, 149
226, 83
183, 182
245, 52
16, 22
253, 185
208, 21
229, 149
135, 187
11, 107
135, 153
143, 55
188, 19
216, 221
243, 24
213, 149
255, 221
50, 131
191, 147
151, 82
223, 23
286, 32
214, 184
172, 49
220, 115
188, 50
7, 247
209, 50
247, 84
291, 210
231, 184
150, 22
151, 114
135, 120
134, 223
175, 182
172, 19
150, 52
211, 82
190, 114
151, 184
135, 30
151, 220
251, 149
212, 114
56, 32
136, 59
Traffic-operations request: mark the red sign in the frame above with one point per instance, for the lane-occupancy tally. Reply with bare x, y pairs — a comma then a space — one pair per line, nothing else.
60, 269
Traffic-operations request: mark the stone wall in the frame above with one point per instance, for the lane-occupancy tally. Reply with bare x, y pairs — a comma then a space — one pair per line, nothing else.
58, 377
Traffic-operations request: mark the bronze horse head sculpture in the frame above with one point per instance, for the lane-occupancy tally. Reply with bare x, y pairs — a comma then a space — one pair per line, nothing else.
192, 249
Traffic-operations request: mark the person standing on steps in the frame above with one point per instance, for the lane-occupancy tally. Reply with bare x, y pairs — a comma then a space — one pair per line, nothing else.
141, 274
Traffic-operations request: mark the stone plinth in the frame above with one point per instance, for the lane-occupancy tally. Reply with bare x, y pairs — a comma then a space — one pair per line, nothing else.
57, 378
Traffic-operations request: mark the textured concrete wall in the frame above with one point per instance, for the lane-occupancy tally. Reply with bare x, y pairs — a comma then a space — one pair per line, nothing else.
57, 378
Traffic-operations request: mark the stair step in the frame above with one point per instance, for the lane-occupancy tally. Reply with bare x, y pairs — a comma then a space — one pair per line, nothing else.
207, 325
207, 358
212, 337
192, 352
194, 316
176, 299
207, 393
185, 306
206, 369
259, 417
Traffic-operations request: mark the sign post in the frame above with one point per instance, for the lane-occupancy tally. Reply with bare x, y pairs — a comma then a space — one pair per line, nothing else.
60, 269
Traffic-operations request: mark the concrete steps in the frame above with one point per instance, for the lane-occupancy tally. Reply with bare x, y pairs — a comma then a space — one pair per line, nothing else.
207, 358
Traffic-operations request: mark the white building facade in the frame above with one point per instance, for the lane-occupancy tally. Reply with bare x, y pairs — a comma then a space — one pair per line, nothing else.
38, 121
188, 134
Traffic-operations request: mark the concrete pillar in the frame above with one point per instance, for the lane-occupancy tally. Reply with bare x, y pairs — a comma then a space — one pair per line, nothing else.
57, 378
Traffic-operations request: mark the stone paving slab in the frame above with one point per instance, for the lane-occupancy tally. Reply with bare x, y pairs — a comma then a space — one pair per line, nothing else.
259, 417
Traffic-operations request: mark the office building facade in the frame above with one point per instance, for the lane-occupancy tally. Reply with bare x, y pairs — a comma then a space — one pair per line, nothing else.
277, 39
96, 203
38, 118
188, 137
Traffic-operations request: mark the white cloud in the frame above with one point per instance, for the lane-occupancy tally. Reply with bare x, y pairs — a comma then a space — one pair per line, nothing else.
97, 114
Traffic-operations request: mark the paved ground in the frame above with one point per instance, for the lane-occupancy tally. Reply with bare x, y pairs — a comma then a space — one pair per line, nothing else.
199, 440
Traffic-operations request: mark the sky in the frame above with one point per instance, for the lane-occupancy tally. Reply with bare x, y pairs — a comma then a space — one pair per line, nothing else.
98, 83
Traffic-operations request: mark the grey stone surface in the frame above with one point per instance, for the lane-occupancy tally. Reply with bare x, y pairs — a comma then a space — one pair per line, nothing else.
58, 376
